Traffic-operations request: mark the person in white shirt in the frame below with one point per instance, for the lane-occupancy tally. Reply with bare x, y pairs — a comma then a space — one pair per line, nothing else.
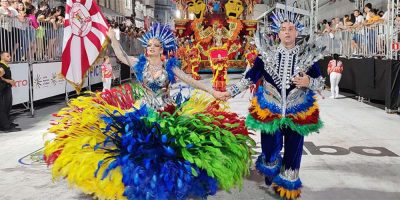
5, 26
359, 18
356, 37
117, 31
13, 7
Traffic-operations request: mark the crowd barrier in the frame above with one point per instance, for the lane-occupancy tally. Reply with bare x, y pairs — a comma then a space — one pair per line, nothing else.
370, 78
366, 41
36, 60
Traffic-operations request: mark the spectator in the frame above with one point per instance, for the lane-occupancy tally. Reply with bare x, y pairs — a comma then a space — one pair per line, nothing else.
19, 31
34, 25
346, 20
117, 31
380, 14
6, 83
367, 10
335, 69
333, 25
13, 7
339, 24
327, 27
322, 26
374, 18
106, 73
5, 25
359, 19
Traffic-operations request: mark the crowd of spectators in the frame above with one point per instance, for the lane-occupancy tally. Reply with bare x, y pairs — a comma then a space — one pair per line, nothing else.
126, 28
25, 25
128, 33
355, 20
34, 29
360, 24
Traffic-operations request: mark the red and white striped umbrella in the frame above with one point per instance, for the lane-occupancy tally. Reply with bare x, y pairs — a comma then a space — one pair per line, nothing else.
85, 33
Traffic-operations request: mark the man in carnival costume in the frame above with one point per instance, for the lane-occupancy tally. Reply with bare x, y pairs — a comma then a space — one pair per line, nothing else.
284, 106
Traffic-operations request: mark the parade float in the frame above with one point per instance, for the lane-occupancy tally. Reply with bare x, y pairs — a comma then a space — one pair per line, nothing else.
215, 35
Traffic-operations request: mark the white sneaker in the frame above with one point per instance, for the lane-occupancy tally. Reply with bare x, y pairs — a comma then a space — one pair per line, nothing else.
331, 97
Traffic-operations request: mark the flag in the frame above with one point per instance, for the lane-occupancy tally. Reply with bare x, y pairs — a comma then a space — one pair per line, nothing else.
85, 35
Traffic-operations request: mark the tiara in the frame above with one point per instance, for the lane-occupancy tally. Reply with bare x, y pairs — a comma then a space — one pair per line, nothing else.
285, 16
163, 33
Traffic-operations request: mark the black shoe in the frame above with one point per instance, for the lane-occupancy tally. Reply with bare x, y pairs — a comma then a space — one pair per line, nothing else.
14, 125
12, 129
268, 181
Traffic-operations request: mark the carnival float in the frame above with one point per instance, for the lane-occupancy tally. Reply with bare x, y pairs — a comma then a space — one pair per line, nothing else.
216, 35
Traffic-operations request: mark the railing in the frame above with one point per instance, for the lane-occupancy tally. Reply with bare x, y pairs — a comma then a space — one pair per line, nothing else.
365, 41
44, 44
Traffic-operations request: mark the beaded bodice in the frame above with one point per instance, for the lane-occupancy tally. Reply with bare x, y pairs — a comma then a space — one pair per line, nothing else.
156, 82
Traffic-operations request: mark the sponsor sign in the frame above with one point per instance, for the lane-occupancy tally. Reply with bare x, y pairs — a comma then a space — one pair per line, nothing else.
20, 73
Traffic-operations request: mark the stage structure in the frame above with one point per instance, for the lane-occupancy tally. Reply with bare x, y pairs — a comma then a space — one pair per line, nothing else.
306, 9
215, 34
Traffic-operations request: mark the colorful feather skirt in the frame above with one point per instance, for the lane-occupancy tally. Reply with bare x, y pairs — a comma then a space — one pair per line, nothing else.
111, 146
266, 116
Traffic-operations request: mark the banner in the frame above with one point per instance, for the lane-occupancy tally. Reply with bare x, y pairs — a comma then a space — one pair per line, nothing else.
46, 80
85, 31
116, 67
20, 73
95, 75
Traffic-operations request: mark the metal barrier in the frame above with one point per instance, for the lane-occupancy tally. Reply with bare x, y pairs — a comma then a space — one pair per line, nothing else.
44, 44
366, 41
27, 44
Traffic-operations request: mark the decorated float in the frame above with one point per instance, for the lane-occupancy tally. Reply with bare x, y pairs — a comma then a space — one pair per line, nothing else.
216, 35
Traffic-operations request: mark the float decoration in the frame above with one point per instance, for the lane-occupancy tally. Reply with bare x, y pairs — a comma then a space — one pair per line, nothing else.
215, 26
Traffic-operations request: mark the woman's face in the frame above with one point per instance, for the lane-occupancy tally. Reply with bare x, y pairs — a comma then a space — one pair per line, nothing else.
21, 7
366, 9
154, 48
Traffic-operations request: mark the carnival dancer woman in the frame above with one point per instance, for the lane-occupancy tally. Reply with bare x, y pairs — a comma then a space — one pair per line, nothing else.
335, 69
284, 107
137, 142
155, 74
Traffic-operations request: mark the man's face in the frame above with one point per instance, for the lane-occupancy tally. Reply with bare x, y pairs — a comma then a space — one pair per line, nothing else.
197, 7
4, 3
6, 57
233, 9
288, 34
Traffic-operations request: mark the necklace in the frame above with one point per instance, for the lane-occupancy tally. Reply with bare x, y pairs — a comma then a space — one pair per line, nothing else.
155, 70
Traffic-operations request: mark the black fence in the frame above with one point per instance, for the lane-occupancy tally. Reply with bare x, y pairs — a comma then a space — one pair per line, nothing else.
370, 78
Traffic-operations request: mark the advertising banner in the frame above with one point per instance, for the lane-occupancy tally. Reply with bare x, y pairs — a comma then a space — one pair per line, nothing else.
46, 80
20, 73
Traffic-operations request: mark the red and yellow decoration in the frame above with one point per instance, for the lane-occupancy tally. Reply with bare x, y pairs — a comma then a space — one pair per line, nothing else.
218, 58
210, 30
194, 62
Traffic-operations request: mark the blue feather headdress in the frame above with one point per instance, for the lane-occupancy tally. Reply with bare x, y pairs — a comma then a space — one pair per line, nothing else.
163, 33
285, 16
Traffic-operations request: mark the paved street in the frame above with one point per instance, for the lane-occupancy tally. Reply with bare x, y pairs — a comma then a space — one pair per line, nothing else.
355, 156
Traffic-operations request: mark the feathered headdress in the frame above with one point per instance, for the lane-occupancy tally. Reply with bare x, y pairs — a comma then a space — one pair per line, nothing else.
163, 33
285, 16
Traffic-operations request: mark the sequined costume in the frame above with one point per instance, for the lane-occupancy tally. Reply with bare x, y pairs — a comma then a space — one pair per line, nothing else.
281, 110
136, 142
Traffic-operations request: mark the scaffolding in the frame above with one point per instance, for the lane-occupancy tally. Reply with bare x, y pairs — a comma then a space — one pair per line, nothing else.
393, 33
308, 10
